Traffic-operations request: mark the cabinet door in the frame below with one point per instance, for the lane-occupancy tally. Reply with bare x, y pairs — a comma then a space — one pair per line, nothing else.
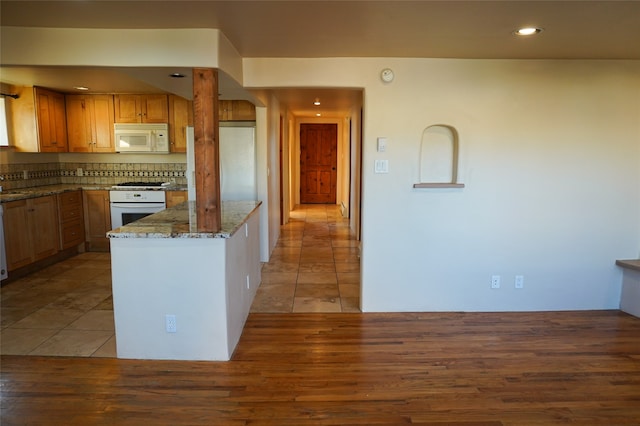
225, 110
17, 234
243, 111
45, 121
180, 116
51, 120
176, 197
31, 230
60, 122
127, 109
78, 124
155, 109
236, 111
43, 215
103, 123
97, 219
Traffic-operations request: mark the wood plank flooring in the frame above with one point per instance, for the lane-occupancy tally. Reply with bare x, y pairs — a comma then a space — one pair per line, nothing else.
356, 369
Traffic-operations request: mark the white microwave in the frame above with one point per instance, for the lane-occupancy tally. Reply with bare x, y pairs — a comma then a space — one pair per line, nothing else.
141, 138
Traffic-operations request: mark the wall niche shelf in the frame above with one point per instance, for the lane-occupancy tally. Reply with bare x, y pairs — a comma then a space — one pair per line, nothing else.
438, 185
439, 149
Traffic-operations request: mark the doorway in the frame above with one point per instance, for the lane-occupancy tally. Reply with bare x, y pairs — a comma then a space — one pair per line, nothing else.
318, 163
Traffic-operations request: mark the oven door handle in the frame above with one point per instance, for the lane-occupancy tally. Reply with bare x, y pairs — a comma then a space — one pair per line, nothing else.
137, 205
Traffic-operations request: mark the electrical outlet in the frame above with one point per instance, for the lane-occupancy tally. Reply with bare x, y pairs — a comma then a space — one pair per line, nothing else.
170, 323
495, 281
519, 282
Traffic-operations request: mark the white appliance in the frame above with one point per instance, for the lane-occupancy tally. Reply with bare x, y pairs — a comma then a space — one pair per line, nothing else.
237, 162
3, 257
136, 202
141, 138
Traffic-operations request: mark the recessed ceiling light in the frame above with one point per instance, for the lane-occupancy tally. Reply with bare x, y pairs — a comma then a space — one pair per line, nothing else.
527, 31
176, 75
317, 101
81, 88
318, 115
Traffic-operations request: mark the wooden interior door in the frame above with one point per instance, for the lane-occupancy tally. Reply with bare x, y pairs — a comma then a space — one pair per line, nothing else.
318, 163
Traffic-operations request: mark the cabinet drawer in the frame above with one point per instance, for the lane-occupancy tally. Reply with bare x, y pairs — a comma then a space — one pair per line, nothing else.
68, 213
72, 233
70, 198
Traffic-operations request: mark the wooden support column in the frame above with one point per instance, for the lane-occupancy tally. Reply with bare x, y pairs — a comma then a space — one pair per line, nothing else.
206, 149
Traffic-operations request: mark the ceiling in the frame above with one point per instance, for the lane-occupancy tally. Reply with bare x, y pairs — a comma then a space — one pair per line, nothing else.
437, 29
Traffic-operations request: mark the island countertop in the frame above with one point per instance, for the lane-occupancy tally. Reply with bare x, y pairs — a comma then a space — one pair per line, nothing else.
180, 222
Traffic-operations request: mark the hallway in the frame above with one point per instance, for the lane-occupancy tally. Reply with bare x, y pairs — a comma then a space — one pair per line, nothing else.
315, 266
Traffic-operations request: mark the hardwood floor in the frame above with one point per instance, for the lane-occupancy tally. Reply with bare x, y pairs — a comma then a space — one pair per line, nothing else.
351, 368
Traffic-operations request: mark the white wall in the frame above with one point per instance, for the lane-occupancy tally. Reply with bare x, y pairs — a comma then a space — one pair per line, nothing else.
104, 47
550, 155
268, 175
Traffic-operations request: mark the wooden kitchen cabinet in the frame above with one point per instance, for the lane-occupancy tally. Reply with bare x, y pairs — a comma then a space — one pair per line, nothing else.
90, 123
236, 111
180, 116
175, 197
71, 217
37, 120
97, 219
52, 122
31, 230
141, 108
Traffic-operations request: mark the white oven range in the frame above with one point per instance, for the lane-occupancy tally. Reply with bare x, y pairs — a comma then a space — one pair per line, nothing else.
135, 202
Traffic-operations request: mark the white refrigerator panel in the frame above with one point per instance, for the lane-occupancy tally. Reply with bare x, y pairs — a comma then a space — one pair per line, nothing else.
237, 164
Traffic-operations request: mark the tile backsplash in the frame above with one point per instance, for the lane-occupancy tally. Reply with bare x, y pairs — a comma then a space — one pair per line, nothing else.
18, 176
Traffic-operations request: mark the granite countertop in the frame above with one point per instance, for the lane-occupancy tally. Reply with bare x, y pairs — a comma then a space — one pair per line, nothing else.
38, 191
41, 191
629, 264
180, 222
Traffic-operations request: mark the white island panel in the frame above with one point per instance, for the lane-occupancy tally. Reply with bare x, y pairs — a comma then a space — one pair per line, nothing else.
183, 277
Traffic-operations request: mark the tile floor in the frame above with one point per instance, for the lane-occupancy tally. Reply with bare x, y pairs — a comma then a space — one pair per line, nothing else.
63, 310
315, 266
67, 308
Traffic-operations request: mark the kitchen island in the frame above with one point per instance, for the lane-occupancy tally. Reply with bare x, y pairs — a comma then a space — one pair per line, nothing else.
182, 294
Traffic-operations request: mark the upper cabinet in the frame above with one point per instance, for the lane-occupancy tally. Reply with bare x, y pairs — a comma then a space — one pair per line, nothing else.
141, 109
37, 121
236, 111
90, 123
52, 122
180, 116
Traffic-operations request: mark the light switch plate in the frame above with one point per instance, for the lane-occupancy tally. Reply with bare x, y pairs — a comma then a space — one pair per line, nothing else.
382, 144
381, 166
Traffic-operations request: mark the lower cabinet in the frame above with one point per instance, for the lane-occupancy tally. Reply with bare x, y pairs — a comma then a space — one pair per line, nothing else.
31, 230
97, 219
